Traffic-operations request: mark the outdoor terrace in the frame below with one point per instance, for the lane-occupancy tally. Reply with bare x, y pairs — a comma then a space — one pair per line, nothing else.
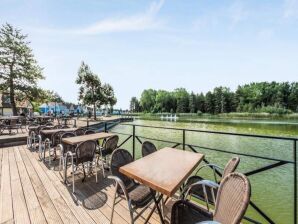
33, 193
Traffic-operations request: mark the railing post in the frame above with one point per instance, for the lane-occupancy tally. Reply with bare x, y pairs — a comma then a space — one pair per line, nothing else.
106, 127
87, 122
74, 123
183, 139
133, 140
295, 180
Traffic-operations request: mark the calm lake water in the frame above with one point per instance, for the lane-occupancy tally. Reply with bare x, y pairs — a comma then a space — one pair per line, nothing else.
272, 190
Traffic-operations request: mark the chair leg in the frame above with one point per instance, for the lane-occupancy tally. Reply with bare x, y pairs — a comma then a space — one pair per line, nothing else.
113, 206
73, 179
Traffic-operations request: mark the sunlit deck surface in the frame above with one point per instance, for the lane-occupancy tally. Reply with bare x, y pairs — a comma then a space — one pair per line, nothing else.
30, 192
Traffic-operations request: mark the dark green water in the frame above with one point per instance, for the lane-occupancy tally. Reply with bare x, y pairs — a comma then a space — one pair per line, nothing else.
272, 190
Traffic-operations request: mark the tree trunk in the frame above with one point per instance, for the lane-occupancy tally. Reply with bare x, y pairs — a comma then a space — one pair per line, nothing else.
12, 100
94, 111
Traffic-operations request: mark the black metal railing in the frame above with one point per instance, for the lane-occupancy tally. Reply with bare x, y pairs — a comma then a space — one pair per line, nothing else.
276, 162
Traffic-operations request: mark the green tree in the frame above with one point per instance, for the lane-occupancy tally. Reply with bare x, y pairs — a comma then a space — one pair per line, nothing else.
182, 99
147, 100
192, 103
134, 105
200, 103
164, 101
109, 96
19, 71
209, 103
91, 91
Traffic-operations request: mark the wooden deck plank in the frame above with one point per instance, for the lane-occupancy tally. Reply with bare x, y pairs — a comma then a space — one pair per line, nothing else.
19, 203
42, 197
63, 210
80, 213
100, 215
33, 206
46, 203
6, 210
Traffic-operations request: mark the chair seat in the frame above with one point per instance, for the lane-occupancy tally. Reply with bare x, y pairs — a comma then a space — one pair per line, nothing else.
185, 212
140, 195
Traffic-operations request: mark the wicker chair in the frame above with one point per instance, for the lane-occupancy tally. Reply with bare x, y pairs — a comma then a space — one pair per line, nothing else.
32, 135
148, 148
58, 126
89, 132
106, 150
43, 141
64, 149
64, 127
207, 191
84, 155
136, 195
230, 206
13, 125
80, 131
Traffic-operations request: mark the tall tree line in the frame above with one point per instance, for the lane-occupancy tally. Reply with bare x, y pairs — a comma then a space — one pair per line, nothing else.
272, 97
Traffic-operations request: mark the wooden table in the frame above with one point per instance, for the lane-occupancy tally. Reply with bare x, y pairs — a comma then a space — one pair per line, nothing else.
78, 139
163, 171
49, 133
52, 131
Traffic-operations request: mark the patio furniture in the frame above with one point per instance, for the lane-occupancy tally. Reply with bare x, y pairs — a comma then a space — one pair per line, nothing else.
80, 131
58, 126
136, 195
84, 156
148, 148
64, 148
230, 206
32, 138
88, 132
12, 124
78, 139
65, 126
207, 191
163, 171
109, 145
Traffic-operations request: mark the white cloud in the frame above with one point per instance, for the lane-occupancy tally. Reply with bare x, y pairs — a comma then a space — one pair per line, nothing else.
138, 22
290, 9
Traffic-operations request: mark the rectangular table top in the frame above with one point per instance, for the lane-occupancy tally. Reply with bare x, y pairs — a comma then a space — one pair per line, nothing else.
82, 138
52, 131
164, 170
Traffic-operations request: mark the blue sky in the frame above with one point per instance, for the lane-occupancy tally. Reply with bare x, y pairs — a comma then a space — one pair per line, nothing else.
137, 44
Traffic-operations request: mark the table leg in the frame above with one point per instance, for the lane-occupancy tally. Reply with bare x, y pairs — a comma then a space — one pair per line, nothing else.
156, 201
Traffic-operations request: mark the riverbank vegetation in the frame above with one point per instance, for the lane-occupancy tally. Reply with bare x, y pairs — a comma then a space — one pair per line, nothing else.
256, 98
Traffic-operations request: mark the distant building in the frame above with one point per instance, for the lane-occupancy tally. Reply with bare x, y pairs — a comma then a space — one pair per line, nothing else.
5, 105
60, 108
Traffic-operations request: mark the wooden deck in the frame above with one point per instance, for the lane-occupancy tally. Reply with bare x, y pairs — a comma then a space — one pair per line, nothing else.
30, 192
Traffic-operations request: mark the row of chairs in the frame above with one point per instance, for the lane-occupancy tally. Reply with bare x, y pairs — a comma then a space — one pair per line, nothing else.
230, 196
80, 157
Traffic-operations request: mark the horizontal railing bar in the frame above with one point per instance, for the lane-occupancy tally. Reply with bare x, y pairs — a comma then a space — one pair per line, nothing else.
159, 140
242, 154
213, 132
119, 133
262, 169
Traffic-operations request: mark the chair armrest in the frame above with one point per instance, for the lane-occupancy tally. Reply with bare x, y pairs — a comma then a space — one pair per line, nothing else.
121, 184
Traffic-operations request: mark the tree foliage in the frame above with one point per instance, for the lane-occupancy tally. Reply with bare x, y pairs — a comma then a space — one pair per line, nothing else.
19, 71
92, 91
270, 97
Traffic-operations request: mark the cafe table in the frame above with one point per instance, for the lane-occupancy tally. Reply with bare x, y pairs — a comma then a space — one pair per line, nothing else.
163, 171
49, 133
78, 139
